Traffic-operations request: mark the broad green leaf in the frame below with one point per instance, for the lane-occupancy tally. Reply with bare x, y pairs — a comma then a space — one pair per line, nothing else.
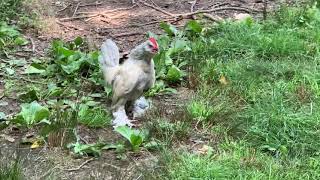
72, 67
10, 71
29, 96
78, 41
194, 26
178, 45
18, 62
88, 149
32, 113
125, 131
169, 29
21, 41
35, 68
136, 141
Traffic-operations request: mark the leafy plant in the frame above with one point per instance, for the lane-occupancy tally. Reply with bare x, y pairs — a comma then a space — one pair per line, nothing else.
90, 149
159, 88
31, 113
168, 64
71, 60
9, 38
134, 136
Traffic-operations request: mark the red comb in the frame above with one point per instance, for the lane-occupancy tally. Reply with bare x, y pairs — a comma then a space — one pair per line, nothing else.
154, 42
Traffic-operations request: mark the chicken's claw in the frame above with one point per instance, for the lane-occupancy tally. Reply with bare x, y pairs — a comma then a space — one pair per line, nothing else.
121, 119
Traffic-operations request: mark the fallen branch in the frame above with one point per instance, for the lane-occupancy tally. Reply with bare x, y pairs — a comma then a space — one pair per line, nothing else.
78, 17
155, 22
185, 15
212, 17
81, 165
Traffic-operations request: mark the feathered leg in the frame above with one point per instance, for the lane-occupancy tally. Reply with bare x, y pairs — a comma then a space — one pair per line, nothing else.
119, 113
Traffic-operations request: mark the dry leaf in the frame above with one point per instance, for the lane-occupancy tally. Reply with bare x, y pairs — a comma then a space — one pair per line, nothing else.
8, 138
1, 93
35, 144
223, 80
205, 150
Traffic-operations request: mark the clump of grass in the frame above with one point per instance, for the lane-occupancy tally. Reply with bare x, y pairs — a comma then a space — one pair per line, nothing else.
11, 170
166, 131
94, 117
200, 110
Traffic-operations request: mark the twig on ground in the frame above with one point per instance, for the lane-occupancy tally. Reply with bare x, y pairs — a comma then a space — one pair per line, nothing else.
64, 8
97, 3
127, 34
212, 17
119, 9
157, 8
68, 26
154, 3
76, 9
111, 165
78, 17
155, 22
81, 165
32, 45
219, 5
193, 5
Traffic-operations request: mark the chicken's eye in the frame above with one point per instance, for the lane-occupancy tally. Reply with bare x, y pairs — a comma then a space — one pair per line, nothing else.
150, 46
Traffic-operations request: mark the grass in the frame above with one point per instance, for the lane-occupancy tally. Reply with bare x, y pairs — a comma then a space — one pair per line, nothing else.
10, 170
266, 110
236, 161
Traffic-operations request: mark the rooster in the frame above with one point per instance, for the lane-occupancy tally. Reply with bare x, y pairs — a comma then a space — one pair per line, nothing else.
130, 79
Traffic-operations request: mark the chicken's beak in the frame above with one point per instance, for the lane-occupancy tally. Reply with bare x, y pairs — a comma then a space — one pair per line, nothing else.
155, 50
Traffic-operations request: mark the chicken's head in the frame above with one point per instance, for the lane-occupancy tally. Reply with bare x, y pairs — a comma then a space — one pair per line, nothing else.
152, 46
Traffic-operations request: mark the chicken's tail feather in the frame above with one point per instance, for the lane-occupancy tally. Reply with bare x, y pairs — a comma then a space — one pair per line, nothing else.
109, 54
109, 60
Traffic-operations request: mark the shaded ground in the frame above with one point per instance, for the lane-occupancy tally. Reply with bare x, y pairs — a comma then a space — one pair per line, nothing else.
127, 26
